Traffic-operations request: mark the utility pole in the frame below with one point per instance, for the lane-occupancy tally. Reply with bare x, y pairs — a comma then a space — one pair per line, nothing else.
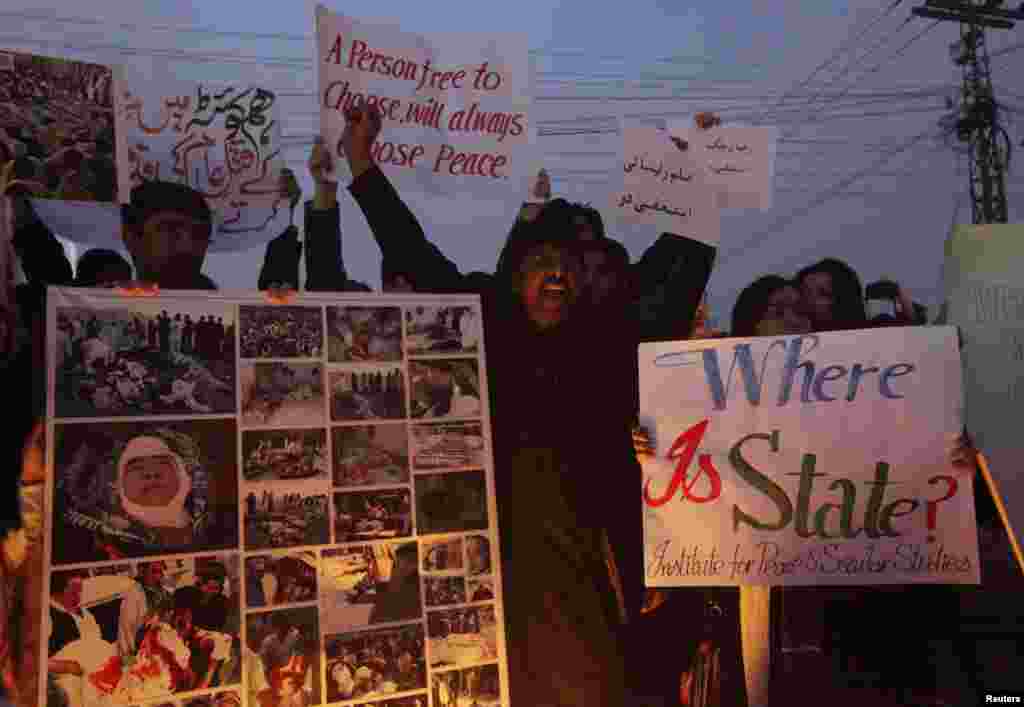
977, 121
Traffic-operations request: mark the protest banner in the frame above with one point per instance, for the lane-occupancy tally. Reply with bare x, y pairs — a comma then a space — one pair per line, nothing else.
738, 161
985, 299
57, 127
663, 187
253, 463
222, 140
815, 459
455, 108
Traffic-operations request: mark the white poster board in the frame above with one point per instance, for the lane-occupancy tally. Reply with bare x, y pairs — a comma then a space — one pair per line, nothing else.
816, 459
456, 108
291, 505
664, 187
985, 296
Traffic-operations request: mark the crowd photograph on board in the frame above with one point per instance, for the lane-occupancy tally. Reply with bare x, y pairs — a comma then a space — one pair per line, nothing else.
370, 455
278, 519
148, 630
441, 330
277, 580
448, 445
472, 687
57, 127
282, 455
145, 359
374, 392
282, 394
443, 591
370, 584
362, 516
375, 663
137, 489
464, 636
280, 332
364, 334
283, 658
443, 556
444, 388
451, 502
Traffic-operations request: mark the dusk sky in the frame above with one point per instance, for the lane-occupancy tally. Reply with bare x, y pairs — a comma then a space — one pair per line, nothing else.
646, 60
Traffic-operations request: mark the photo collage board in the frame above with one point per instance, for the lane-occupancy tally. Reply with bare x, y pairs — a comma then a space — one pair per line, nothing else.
269, 505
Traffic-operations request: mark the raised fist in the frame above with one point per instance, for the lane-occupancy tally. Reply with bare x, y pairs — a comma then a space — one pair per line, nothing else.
362, 126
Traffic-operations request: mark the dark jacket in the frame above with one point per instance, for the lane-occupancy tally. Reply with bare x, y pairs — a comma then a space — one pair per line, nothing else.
325, 265
670, 280
562, 466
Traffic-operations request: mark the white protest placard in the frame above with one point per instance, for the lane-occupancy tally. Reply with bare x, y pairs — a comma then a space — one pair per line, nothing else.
222, 140
456, 108
985, 295
285, 473
663, 187
739, 161
815, 459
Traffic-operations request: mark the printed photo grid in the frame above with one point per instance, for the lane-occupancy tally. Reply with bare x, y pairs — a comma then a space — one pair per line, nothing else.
268, 505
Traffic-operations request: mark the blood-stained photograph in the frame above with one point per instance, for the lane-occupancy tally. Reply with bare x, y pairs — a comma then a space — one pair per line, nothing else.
481, 589
282, 394
144, 631
370, 584
284, 455
448, 388
279, 580
362, 334
375, 663
451, 502
371, 455
282, 655
137, 489
374, 392
462, 636
372, 515
448, 445
145, 358
275, 518
442, 330
280, 332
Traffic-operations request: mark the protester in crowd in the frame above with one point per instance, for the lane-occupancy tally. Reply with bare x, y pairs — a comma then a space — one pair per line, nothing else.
562, 644
770, 306
833, 296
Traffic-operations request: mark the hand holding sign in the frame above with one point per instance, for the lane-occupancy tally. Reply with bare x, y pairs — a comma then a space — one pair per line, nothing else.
362, 126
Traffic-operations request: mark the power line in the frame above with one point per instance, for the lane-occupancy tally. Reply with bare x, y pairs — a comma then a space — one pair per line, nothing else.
826, 195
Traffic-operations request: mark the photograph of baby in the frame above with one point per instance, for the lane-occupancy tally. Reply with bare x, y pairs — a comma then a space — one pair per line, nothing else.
443, 556
145, 359
221, 699
376, 663
446, 388
277, 580
460, 637
448, 445
283, 455
370, 455
370, 584
441, 330
145, 632
282, 394
282, 655
280, 332
481, 589
472, 687
372, 515
137, 489
443, 591
360, 334
278, 519
451, 502
374, 392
